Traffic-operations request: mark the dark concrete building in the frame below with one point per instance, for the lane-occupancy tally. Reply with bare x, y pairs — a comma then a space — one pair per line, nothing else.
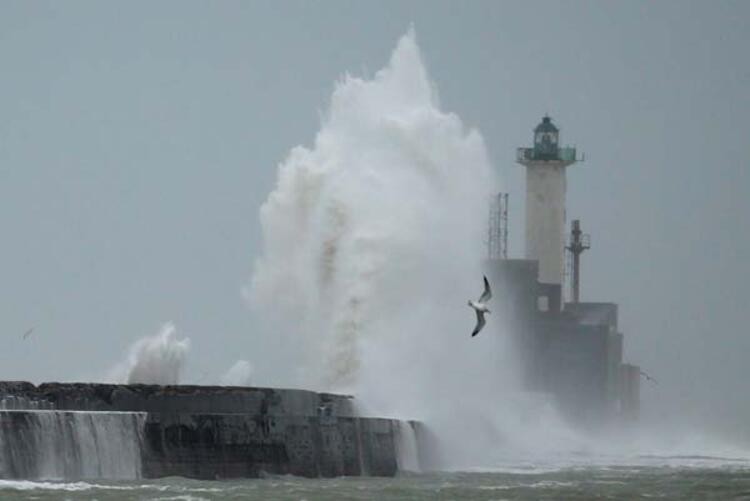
570, 350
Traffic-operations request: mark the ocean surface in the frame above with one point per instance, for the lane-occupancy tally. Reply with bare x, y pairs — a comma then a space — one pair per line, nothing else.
645, 477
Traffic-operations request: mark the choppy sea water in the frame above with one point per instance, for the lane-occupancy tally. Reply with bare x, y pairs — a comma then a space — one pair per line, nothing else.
666, 478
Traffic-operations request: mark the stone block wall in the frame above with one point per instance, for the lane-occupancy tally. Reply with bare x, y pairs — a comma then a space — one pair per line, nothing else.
228, 432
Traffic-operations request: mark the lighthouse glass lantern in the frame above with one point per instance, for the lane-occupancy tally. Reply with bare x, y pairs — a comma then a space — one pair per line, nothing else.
545, 140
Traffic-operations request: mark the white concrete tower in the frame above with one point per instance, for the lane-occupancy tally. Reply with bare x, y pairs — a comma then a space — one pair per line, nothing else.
545, 200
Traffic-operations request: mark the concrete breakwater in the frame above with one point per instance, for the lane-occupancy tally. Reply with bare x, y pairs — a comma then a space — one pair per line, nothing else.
85, 430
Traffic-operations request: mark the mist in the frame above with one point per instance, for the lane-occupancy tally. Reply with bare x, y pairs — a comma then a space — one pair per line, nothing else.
133, 169
239, 374
373, 240
155, 359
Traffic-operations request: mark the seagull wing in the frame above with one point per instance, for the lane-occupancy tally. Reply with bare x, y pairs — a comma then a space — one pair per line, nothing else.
649, 378
480, 323
487, 294
28, 333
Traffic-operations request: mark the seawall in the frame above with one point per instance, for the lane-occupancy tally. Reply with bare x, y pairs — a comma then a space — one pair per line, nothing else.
206, 432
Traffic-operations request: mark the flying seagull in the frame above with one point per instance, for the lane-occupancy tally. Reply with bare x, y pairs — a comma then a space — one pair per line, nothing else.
480, 306
28, 333
648, 378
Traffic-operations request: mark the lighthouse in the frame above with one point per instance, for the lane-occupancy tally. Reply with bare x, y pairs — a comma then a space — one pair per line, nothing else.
545, 164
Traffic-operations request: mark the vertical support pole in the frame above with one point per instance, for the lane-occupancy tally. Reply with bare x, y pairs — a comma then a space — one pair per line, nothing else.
504, 225
578, 243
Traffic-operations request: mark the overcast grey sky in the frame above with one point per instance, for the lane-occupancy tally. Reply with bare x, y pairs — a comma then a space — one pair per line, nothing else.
138, 140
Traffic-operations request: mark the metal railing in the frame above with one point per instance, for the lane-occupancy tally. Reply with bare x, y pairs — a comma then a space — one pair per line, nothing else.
565, 154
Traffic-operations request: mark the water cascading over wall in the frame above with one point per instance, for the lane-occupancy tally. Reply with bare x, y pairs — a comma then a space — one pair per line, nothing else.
407, 448
70, 444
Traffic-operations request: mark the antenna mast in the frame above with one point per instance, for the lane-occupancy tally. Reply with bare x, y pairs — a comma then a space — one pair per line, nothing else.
497, 231
579, 242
